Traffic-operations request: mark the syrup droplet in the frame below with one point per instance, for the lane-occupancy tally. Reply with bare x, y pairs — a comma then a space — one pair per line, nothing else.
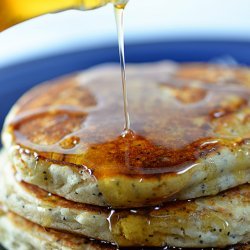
70, 142
128, 134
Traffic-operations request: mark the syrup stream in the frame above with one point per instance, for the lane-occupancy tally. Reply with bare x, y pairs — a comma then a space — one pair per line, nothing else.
120, 32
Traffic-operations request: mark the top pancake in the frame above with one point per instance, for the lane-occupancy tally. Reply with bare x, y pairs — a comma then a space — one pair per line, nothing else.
183, 119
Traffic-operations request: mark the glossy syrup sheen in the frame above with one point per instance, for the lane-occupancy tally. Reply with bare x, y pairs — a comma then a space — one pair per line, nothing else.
175, 120
119, 12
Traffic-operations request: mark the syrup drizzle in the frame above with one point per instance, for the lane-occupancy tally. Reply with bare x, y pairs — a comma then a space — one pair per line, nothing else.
119, 11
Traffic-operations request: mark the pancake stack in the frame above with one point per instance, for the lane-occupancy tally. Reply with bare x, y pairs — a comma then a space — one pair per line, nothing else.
71, 179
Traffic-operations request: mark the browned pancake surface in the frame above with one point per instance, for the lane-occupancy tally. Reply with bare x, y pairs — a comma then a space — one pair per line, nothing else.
177, 117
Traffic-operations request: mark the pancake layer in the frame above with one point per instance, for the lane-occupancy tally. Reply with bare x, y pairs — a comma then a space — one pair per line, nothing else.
216, 221
190, 134
18, 233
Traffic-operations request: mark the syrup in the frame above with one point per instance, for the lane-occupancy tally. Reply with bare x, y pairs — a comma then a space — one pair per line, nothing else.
78, 122
120, 31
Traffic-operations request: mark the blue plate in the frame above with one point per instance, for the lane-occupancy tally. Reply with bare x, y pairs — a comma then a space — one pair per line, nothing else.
17, 79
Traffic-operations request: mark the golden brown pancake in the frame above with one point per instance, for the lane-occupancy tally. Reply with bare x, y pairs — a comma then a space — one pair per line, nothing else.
17, 233
190, 134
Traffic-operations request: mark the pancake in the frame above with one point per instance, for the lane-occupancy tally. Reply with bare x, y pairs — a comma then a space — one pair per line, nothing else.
190, 134
18, 233
216, 221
